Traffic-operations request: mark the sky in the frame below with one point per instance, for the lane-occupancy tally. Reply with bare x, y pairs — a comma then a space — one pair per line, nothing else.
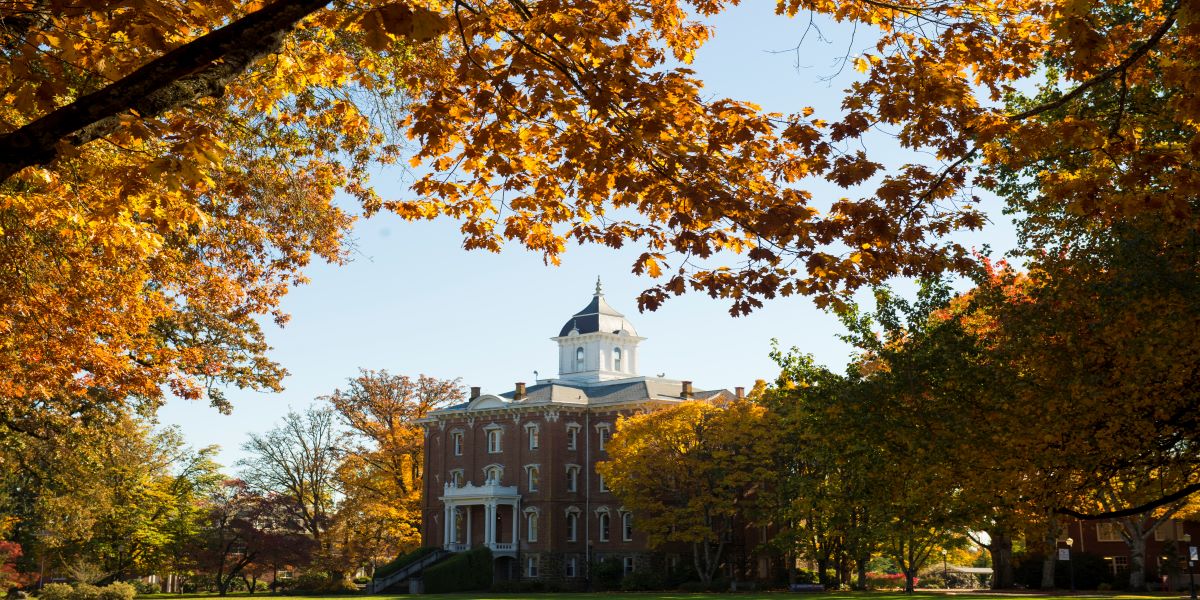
412, 301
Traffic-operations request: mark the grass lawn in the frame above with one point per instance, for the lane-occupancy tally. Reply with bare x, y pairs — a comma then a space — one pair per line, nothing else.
685, 596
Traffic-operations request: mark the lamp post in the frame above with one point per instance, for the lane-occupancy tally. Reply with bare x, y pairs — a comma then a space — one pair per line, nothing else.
1071, 562
1191, 551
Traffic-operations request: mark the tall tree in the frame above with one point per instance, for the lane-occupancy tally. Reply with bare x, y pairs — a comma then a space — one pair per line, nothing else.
692, 473
298, 460
380, 475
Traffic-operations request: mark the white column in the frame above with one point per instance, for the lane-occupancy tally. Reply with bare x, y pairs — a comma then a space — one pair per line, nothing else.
489, 525
467, 540
448, 537
516, 526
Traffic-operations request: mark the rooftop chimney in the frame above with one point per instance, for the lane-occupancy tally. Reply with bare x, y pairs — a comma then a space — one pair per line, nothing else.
520, 392
687, 391
474, 392
740, 392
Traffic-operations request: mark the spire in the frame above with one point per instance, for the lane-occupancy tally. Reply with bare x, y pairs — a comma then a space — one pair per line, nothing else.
598, 292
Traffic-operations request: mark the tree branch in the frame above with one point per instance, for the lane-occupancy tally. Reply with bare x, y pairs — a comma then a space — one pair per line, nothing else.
1136, 510
197, 69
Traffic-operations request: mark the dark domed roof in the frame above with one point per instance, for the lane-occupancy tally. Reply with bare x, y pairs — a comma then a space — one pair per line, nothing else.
598, 316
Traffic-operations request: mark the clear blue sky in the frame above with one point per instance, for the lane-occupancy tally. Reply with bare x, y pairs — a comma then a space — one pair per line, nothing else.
412, 301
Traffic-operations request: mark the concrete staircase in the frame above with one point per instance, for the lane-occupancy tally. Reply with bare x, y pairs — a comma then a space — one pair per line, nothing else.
407, 572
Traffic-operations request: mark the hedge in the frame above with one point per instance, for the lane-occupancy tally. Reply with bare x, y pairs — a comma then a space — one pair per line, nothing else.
469, 571
403, 561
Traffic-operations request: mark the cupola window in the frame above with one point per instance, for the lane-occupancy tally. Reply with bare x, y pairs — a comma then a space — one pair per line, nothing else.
616, 359
578, 359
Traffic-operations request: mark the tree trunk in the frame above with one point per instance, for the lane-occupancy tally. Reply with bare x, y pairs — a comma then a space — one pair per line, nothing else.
861, 564
1137, 563
909, 584
1001, 552
1051, 559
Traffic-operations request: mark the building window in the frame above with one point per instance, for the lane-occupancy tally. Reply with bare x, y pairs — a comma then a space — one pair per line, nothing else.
578, 359
531, 567
572, 478
569, 569
533, 475
531, 525
1117, 565
1108, 532
493, 474
628, 564
603, 430
456, 478
493, 439
1168, 531
534, 438
616, 359
572, 436
603, 488
457, 436
572, 526
604, 526
627, 526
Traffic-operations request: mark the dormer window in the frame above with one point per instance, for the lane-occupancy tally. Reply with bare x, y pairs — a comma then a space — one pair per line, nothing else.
579, 359
616, 359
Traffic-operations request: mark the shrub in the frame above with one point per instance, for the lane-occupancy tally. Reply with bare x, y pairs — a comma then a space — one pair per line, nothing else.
56, 591
118, 590
310, 582
693, 587
145, 587
606, 574
643, 581
719, 584
516, 586
85, 591
468, 571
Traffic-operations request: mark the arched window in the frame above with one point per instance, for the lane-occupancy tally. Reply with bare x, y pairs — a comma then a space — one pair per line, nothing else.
534, 477
572, 526
616, 359
531, 525
578, 359
493, 474
604, 522
627, 526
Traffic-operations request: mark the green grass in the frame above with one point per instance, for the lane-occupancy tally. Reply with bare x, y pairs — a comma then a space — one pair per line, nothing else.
963, 595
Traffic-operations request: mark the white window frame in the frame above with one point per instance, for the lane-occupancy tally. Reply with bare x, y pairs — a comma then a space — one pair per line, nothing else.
531, 525
603, 434
533, 477
458, 477
580, 359
573, 477
572, 525
626, 526
533, 432
617, 355
498, 468
495, 438
531, 567
603, 488
1108, 531
457, 440
569, 569
627, 565
573, 436
604, 526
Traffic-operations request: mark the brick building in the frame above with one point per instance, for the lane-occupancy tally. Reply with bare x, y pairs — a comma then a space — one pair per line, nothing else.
515, 471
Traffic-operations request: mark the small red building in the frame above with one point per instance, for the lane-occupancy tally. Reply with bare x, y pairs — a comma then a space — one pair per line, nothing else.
516, 471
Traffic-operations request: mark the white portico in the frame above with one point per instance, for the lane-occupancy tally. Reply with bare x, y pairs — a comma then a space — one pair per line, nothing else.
493, 498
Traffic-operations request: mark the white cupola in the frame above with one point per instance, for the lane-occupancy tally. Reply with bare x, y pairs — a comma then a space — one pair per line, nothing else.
597, 344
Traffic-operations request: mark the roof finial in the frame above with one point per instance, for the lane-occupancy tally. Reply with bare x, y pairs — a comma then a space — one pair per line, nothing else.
598, 292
